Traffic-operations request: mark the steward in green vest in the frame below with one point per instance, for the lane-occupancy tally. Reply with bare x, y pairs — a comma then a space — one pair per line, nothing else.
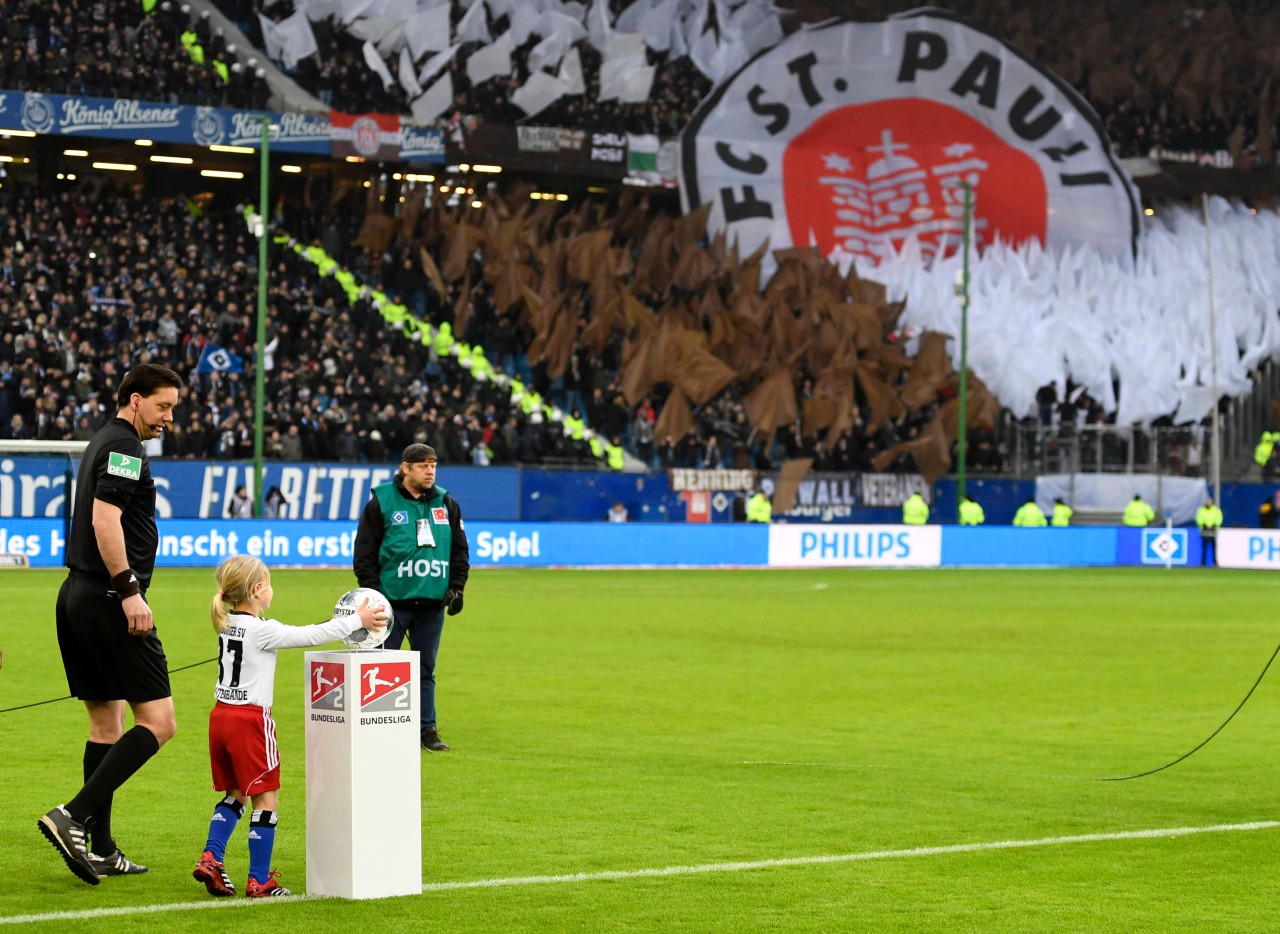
1138, 514
1062, 513
759, 509
971, 513
410, 543
915, 511
1030, 515
412, 546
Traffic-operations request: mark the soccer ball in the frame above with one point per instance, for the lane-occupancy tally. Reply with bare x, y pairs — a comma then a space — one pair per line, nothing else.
349, 603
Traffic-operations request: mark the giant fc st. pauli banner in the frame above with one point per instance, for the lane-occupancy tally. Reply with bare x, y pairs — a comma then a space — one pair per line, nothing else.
853, 136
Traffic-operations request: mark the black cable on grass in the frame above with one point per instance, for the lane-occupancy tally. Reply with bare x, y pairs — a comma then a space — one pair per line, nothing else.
1125, 778
54, 700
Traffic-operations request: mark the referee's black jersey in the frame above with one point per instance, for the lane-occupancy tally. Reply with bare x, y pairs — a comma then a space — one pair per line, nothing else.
115, 469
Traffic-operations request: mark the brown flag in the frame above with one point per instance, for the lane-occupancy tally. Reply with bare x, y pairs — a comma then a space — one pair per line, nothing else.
773, 402
433, 273
676, 418
789, 479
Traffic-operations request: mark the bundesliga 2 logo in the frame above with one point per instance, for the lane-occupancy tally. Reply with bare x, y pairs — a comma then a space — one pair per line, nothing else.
384, 686
856, 136
327, 689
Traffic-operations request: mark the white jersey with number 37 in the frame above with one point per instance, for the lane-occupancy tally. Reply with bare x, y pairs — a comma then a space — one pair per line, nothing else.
247, 653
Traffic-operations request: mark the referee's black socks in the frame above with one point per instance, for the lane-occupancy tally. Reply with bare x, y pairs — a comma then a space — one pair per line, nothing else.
125, 757
99, 824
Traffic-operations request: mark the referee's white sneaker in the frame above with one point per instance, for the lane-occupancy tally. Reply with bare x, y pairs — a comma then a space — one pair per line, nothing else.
117, 864
68, 838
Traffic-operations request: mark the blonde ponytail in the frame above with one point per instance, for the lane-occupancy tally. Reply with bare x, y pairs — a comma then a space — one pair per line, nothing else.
237, 577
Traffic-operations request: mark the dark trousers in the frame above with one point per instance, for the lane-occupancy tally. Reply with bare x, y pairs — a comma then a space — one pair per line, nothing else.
423, 627
1208, 543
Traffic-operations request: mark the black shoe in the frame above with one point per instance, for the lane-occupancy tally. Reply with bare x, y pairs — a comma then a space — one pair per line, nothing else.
68, 838
117, 864
431, 740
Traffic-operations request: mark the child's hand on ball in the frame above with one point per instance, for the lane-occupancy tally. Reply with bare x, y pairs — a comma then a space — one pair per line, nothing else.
372, 615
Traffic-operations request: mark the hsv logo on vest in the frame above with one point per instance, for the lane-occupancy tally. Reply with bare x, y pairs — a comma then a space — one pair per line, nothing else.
860, 136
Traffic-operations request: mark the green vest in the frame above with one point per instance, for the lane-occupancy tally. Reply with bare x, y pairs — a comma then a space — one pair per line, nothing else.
223, 71
409, 571
1062, 514
971, 513
615, 456
1029, 515
915, 511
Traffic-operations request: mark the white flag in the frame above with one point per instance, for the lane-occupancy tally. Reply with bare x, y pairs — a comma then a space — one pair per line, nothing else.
351, 9
379, 67
559, 33
272, 44
317, 10
299, 40
538, 93
436, 62
408, 80
490, 61
570, 73
436, 101
427, 31
474, 26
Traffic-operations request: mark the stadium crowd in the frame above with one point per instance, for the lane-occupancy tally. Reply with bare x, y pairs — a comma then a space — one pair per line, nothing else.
94, 279
1187, 87
112, 48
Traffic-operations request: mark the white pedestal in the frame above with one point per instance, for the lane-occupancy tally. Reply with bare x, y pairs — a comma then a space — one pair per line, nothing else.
364, 774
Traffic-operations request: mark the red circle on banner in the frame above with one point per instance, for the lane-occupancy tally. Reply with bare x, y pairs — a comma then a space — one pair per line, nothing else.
865, 176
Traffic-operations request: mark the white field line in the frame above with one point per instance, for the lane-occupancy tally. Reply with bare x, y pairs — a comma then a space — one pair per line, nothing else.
622, 874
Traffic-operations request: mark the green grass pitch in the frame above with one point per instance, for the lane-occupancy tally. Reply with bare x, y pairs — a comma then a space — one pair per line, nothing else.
607, 723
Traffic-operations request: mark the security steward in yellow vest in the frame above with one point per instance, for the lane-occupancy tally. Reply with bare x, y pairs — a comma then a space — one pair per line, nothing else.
1062, 513
759, 509
971, 513
1208, 521
1138, 514
915, 511
412, 546
1029, 515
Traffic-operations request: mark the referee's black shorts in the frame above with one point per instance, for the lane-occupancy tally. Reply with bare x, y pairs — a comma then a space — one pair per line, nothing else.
102, 661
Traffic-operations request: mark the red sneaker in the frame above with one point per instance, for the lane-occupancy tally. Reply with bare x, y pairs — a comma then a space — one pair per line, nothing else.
214, 876
267, 889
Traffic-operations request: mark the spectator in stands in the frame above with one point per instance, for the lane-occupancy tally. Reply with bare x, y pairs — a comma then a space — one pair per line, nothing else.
617, 513
241, 506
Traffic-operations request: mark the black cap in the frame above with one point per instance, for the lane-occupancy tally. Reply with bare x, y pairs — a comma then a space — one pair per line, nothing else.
417, 453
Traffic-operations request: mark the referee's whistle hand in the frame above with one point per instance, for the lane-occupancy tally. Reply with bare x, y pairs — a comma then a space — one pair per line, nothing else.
138, 614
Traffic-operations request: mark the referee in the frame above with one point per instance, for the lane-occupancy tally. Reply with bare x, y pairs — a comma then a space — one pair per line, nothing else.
110, 650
